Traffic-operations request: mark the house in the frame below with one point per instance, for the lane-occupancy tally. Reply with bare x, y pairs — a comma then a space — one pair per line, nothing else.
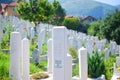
87, 19
69, 16
7, 8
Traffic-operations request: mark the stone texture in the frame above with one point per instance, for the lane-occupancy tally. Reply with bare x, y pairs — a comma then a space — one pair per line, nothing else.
83, 67
26, 62
36, 56
15, 52
50, 61
59, 52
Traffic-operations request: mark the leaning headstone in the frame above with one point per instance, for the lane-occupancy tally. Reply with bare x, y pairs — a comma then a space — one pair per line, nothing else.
15, 52
50, 61
59, 47
26, 63
83, 67
35, 56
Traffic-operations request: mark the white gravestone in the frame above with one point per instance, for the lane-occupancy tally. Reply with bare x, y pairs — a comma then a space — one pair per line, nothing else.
79, 42
74, 42
68, 68
15, 52
41, 40
50, 61
106, 53
83, 67
32, 33
59, 44
26, 63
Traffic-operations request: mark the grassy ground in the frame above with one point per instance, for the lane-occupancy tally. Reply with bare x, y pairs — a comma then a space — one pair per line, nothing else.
5, 64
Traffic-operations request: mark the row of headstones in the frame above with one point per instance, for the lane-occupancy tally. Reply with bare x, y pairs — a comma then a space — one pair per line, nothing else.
17, 25
59, 60
24, 27
91, 43
19, 57
75, 39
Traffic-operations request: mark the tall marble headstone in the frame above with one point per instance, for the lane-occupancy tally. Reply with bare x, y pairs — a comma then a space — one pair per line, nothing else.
26, 62
15, 52
50, 56
68, 67
59, 36
83, 67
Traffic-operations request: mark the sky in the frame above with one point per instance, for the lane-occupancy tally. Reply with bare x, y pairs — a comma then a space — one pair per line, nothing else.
111, 2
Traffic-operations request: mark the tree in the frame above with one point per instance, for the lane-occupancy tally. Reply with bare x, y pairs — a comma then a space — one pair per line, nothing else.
59, 13
71, 23
36, 10
95, 29
111, 27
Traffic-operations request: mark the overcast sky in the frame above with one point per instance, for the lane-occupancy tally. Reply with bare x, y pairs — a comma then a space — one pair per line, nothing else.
111, 2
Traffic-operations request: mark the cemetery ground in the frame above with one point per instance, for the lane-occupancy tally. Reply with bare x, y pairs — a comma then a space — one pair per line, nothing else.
37, 71
97, 58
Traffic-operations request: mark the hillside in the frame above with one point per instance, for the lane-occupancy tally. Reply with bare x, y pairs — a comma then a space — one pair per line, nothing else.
86, 7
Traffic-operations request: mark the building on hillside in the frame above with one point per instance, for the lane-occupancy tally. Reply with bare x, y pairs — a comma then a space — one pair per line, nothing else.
87, 19
69, 16
7, 8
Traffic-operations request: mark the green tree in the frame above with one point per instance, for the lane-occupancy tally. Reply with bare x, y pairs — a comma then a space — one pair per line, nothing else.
59, 13
36, 10
95, 29
111, 27
71, 23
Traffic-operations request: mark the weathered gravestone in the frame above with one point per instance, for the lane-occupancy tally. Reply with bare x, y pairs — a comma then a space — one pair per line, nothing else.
36, 56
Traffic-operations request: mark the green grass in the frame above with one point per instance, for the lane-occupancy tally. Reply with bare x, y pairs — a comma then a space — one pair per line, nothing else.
43, 64
44, 48
109, 66
73, 53
4, 66
34, 68
75, 71
32, 47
